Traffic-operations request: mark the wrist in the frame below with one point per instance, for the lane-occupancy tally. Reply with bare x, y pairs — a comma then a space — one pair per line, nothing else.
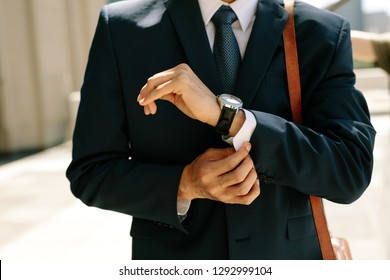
231, 117
215, 112
184, 191
237, 123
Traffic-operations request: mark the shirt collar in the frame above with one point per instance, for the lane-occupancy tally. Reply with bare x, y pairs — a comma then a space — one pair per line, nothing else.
244, 9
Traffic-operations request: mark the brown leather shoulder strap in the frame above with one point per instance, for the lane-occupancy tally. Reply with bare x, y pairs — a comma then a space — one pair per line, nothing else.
294, 88
292, 66
322, 228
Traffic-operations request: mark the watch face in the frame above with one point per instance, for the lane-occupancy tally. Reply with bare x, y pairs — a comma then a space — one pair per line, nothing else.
231, 100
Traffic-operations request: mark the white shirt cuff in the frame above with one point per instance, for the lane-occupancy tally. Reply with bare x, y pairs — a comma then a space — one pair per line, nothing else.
183, 206
245, 133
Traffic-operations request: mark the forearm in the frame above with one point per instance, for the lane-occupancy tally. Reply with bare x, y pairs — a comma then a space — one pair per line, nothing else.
144, 191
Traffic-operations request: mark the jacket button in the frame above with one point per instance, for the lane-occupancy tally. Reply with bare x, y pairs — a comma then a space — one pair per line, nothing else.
268, 181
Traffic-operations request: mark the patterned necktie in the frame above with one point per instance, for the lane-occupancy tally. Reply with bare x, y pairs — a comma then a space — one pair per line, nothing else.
226, 51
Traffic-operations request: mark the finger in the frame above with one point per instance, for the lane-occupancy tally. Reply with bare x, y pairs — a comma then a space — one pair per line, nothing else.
239, 174
233, 194
154, 82
150, 109
231, 162
166, 91
244, 187
250, 196
146, 110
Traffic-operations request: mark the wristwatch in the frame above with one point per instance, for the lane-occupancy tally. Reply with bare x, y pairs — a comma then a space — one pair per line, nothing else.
230, 105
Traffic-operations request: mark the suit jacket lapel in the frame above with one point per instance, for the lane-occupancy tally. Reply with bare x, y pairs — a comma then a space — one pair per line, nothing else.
266, 34
188, 22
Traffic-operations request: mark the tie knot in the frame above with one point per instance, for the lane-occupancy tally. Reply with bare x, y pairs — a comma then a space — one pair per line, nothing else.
224, 15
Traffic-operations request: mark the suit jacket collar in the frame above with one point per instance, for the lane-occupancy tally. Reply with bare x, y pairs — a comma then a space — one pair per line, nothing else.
266, 33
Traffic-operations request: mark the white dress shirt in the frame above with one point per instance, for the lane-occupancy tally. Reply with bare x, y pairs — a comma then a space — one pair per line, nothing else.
242, 28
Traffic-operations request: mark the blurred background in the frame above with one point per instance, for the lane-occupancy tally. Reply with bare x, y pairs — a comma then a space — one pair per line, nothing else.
44, 47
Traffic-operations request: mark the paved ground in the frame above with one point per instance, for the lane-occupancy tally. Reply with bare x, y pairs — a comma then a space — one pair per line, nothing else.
40, 219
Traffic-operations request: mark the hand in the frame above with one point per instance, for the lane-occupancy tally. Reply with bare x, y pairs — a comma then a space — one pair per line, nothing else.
224, 175
185, 90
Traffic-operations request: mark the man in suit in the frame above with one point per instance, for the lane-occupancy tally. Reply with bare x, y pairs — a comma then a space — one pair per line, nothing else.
148, 139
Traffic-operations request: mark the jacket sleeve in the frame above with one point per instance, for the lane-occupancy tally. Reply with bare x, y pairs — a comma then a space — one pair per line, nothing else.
102, 173
331, 154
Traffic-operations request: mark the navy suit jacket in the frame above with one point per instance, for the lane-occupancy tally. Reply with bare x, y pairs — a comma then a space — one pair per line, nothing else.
131, 163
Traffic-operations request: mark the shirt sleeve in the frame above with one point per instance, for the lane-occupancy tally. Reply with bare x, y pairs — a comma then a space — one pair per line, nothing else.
245, 133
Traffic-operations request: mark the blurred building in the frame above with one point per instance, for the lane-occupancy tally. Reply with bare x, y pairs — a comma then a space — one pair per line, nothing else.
352, 10
43, 50
378, 22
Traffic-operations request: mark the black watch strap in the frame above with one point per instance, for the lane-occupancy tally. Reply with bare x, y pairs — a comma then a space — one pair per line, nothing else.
225, 120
